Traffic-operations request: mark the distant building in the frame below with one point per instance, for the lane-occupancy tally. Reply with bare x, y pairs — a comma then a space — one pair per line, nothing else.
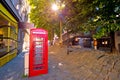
117, 41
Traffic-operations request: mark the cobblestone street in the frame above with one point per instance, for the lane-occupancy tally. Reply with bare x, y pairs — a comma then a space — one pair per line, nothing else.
80, 64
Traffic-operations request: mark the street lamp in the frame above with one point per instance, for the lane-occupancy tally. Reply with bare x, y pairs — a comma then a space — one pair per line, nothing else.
59, 8
54, 7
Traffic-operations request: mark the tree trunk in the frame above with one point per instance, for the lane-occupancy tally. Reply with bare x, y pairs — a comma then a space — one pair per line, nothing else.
51, 36
112, 37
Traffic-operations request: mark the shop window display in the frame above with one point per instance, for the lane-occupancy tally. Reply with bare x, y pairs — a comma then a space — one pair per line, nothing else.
8, 39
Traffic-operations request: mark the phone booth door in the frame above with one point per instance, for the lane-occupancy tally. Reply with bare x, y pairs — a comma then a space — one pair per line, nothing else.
38, 59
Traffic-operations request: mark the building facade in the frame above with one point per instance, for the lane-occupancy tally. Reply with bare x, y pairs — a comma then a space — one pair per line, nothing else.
12, 12
24, 26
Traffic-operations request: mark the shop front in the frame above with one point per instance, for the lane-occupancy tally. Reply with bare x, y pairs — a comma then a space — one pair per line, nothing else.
8, 36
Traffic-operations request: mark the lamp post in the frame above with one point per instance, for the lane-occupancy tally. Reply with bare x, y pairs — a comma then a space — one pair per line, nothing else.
61, 31
59, 8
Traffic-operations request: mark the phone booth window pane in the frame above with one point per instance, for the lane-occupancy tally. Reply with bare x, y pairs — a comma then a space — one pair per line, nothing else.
38, 43
38, 39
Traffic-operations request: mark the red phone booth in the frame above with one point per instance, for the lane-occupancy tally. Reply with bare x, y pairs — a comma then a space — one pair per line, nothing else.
38, 55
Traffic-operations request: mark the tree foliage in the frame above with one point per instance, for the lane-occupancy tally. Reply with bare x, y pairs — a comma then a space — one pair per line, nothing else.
107, 16
102, 16
42, 15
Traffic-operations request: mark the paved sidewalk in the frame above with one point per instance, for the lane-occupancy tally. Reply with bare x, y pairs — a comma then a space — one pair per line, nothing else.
14, 69
80, 64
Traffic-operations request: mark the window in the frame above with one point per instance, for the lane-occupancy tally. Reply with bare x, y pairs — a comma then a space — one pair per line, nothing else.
8, 39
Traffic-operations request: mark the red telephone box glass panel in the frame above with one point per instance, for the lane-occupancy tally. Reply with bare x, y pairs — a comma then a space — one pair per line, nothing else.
38, 59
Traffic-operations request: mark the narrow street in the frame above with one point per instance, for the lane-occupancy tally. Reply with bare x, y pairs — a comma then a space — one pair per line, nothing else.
80, 64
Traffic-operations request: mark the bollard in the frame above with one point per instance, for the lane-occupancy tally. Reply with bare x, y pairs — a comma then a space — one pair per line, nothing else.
26, 64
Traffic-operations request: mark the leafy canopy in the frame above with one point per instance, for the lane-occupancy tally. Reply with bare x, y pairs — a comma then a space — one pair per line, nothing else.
102, 16
42, 15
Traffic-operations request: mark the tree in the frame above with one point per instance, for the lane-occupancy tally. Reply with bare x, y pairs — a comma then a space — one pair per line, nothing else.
106, 19
101, 16
78, 14
42, 15
94, 13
